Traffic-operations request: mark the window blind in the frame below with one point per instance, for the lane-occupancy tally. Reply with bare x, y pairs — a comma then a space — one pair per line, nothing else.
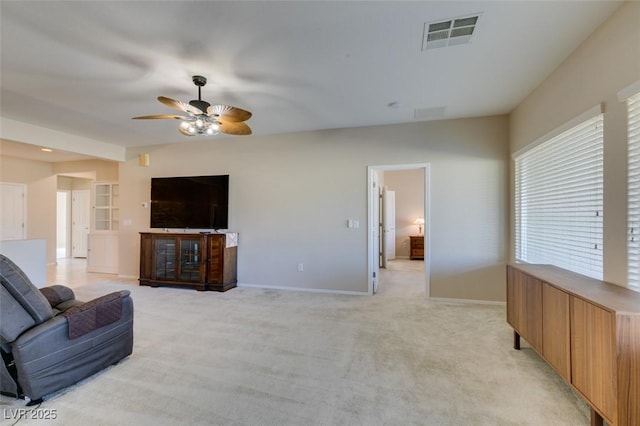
559, 200
633, 245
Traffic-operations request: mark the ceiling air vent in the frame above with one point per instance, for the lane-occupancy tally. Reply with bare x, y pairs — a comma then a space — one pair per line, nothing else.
448, 33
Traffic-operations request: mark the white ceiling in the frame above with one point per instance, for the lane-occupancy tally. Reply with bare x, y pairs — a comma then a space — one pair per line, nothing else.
86, 68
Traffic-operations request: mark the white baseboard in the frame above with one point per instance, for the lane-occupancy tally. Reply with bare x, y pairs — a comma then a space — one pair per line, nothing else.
309, 290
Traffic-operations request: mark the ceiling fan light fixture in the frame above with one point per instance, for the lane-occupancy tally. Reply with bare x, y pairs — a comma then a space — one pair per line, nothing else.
199, 126
204, 118
212, 130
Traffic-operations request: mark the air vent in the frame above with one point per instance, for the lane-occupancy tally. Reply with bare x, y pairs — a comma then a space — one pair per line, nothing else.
449, 33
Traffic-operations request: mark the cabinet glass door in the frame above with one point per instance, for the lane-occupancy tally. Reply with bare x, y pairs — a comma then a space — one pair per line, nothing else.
102, 219
105, 206
165, 258
115, 203
103, 195
190, 260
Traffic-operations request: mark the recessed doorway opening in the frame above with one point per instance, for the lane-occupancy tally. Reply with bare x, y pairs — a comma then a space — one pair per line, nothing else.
407, 237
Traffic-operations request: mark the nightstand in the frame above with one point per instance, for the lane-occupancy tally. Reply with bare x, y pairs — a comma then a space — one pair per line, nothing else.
417, 248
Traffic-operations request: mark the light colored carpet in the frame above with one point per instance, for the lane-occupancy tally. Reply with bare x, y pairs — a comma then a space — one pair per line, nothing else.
269, 357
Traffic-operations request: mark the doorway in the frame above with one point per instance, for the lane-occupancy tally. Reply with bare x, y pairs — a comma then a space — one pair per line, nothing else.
72, 223
375, 185
73, 212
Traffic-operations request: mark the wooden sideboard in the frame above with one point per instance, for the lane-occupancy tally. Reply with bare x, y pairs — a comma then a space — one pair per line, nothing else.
202, 261
587, 330
416, 247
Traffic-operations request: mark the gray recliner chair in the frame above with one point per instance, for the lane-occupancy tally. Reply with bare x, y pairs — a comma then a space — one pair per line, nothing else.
49, 340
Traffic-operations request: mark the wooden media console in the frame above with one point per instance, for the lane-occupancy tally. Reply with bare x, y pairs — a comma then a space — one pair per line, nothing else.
588, 330
204, 261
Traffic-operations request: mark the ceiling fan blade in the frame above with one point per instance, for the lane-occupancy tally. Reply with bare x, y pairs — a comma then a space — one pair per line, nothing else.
179, 105
232, 128
226, 113
159, 117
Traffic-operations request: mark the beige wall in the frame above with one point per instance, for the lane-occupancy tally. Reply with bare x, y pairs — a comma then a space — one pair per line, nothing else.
67, 183
41, 197
100, 170
42, 182
608, 61
409, 188
290, 197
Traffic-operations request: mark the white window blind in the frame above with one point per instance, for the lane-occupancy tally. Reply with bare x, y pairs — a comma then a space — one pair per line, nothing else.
633, 247
558, 200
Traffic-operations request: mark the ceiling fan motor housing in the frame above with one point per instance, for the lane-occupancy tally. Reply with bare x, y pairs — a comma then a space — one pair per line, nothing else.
200, 81
201, 105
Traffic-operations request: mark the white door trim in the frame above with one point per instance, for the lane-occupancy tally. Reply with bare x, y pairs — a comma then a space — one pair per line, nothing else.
373, 230
63, 221
372, 204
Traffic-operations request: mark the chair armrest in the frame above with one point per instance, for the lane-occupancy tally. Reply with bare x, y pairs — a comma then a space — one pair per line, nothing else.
52, 336
94, 314
57, 294
47, 359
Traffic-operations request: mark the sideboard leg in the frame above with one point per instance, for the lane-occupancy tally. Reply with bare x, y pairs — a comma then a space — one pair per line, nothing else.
516, 340
596, 419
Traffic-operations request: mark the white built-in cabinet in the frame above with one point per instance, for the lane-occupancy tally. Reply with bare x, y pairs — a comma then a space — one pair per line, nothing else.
102, 253
106, 213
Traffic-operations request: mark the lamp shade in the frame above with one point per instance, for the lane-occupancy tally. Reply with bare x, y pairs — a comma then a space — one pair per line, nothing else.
419, 221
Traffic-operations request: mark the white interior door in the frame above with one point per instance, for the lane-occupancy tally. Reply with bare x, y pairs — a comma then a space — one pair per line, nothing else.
80, 209
13, 211
388, 226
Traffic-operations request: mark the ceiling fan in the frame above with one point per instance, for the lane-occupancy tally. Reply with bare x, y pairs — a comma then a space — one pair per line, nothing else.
203, 118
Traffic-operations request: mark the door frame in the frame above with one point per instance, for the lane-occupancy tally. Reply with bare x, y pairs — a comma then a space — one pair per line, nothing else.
64, 221
372, 204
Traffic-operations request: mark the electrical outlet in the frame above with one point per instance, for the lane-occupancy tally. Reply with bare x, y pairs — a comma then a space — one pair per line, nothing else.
300, 267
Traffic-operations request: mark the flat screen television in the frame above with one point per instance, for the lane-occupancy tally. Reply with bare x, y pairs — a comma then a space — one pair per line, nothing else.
195, 202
